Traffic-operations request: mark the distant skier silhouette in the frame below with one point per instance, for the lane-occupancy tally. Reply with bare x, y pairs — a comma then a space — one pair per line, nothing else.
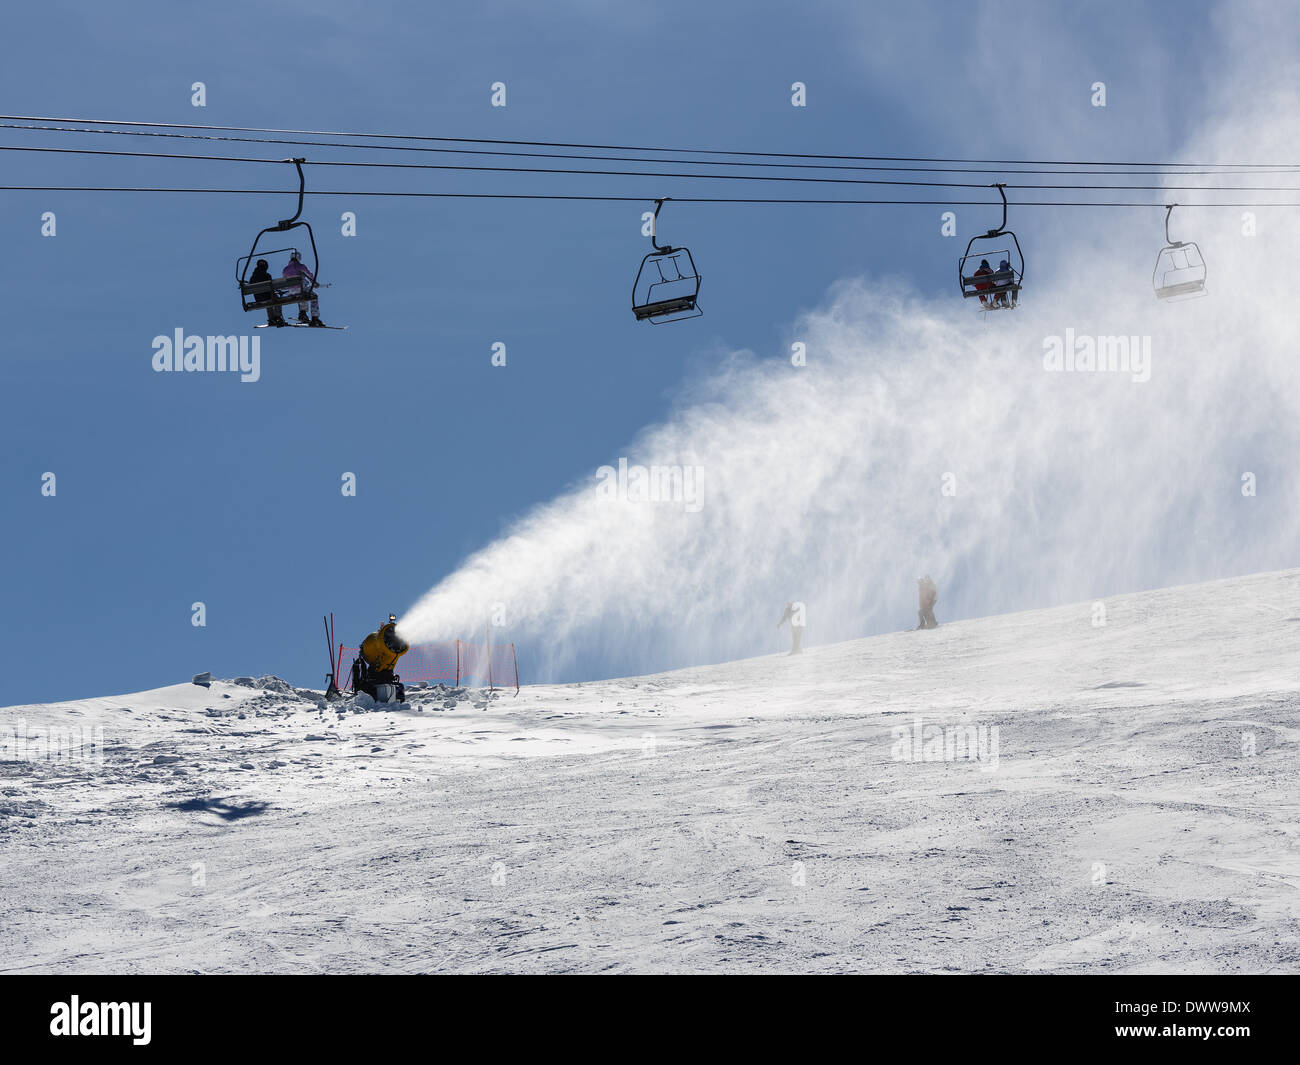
927, 596
794, 615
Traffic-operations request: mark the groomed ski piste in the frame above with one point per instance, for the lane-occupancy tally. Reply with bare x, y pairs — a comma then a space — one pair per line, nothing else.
1131, 807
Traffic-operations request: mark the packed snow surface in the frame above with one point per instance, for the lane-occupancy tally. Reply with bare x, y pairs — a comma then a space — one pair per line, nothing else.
1134, 811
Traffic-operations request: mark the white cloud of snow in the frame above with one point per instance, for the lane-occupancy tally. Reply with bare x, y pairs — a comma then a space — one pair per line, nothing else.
824, 483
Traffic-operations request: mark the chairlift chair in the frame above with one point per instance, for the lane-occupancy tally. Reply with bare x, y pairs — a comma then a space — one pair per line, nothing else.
667, 285
1179, 272
279, 291
998, 288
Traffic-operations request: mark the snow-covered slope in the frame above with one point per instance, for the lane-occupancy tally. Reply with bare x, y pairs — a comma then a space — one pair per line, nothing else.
1135, 810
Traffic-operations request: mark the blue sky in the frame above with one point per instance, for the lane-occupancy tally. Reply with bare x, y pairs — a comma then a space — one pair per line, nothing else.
177, 488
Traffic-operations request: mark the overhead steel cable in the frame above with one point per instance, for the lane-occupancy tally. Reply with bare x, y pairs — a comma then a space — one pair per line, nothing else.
573, 171
633, 199
632, 148
1224, 168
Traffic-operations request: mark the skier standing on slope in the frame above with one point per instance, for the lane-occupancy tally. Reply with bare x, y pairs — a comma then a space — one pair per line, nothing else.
794, 614
303, 281
927, 596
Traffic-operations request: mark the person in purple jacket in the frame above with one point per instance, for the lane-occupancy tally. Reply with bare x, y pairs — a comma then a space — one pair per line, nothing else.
304, 283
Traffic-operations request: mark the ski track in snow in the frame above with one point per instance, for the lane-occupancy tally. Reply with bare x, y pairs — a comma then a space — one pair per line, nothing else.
654, 824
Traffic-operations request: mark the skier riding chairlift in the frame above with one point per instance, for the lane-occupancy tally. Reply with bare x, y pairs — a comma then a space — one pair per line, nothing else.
265, 294
303, 282
1004, 280
986, 272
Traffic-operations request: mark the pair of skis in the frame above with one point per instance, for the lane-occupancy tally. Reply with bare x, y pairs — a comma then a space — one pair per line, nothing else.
306, 295
300, 325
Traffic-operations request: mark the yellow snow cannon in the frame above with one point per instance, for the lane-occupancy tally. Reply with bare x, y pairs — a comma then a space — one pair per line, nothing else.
382, 648
372, 671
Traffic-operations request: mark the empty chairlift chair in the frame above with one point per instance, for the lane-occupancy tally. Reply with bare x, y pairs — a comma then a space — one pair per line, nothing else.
667, 286
981, 271
1180, 268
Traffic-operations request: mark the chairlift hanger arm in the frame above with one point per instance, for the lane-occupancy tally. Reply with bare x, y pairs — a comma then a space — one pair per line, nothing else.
1002, 189
1169, 241
302, 188
654, 226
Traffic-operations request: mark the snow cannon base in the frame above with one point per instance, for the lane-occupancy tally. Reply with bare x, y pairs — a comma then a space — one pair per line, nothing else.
382, 685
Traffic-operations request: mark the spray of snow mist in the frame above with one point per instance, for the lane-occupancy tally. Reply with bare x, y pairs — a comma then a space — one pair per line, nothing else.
1091, 442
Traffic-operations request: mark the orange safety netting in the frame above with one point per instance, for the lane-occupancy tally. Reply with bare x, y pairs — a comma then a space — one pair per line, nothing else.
455, 662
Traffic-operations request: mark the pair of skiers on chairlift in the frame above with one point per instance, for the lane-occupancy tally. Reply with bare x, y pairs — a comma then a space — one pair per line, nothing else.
299, 278
1002, 278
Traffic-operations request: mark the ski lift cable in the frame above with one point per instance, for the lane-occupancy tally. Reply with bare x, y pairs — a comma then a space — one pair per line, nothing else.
637, 199
569, 171
1222, 168
628, 148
